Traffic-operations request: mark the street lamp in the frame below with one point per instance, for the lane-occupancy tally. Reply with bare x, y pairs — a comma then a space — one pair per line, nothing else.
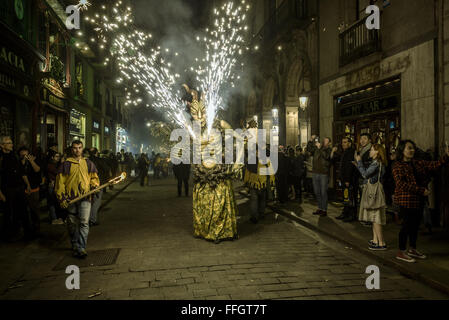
303, 98
303, 102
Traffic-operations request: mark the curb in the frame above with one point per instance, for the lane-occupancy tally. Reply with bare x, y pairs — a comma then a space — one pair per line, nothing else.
388, 262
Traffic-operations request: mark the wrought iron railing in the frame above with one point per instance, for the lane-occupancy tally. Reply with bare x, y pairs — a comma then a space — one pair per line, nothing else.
357, 42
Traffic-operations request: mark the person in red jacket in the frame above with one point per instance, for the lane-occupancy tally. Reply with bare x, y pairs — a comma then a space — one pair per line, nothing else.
411, 178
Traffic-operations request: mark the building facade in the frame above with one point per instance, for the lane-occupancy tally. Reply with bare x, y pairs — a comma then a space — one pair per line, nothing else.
392, 82
284, 42
54, 85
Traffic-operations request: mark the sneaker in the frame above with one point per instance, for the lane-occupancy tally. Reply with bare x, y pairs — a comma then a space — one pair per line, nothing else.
416, 254
376, 247
372, 243
404, 257
317, 212
82, 253
341, 217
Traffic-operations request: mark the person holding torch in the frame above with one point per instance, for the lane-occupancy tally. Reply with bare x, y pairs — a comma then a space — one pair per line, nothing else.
76, 177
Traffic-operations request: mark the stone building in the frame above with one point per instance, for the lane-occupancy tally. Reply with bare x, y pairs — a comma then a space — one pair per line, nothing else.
54, 85
385, 82
392, 82
282, 65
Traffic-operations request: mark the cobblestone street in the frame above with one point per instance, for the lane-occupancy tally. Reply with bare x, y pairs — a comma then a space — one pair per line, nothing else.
158, 258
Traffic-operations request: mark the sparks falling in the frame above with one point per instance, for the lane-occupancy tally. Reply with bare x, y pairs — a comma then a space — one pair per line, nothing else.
145, 68
223, 46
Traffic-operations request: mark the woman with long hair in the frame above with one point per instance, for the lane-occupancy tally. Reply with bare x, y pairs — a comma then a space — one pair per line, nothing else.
412, 177
374, 174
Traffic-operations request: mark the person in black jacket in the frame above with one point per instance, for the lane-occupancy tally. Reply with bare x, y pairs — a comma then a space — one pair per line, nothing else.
182, 174
347, 179
299, 172
143, 165
282, 177
104, 173
12, 194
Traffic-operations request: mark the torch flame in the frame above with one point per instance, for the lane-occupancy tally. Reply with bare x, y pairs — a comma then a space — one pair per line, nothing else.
119, 179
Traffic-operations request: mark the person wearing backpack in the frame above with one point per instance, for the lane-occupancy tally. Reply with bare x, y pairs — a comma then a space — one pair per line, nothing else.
372, 204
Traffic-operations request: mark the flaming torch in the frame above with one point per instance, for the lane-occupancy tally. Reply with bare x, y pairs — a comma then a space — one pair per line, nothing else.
116, 180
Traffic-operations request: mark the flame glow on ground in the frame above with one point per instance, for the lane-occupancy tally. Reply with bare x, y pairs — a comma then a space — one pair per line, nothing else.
145, 68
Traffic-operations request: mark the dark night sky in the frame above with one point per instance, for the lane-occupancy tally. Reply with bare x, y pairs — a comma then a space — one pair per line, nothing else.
175, 24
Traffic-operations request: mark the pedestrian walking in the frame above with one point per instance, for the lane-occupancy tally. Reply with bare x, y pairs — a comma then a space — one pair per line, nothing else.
411, 178
182, 174
373, 204
76, 177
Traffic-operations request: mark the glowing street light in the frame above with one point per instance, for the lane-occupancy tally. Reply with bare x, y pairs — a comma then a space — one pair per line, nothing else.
303, 102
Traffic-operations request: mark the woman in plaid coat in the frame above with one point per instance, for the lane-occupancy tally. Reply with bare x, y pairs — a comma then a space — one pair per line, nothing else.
412, 177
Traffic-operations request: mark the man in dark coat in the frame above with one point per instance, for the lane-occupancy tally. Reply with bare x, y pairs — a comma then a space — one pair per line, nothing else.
182, 174
143, 166
347, 179
299, 171
282, 177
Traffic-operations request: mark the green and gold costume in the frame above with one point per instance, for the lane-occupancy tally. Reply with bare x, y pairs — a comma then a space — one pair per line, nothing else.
214, 206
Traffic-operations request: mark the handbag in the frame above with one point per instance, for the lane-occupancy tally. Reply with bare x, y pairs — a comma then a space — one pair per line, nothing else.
373, 196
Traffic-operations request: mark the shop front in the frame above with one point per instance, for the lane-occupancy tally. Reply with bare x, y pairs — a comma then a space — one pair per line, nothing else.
18, 107
77, 126
107, 138
54, 116
375, 109
96, 133
122, 140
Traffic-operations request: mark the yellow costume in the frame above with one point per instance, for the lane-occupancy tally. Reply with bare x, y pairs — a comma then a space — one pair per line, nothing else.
257, 181
75, 178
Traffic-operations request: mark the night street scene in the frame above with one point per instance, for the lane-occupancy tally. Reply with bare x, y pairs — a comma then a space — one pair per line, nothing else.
242, 151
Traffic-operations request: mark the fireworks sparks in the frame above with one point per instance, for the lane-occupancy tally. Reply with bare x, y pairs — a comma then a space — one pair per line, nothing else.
145, 68
222, 49
83, 4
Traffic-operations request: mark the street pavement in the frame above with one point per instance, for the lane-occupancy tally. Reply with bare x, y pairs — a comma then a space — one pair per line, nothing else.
159, 259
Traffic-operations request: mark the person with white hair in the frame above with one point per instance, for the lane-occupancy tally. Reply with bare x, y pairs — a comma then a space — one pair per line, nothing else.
12, 193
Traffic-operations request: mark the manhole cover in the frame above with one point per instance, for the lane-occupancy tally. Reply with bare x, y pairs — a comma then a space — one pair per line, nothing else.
94, 259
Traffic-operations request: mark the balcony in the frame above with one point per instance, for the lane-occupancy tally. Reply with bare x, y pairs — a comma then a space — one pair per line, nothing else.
357, 42
292, 14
